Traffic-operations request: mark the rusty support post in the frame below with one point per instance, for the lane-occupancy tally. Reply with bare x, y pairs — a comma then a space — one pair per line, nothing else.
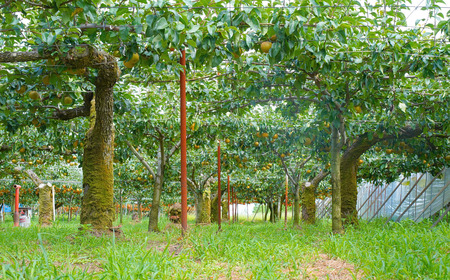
228, 196
16, 208
183, 143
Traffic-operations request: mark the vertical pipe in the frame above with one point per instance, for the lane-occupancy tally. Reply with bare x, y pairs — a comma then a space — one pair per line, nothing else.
183, 143
286, 203
219, 191
228, 196
16, 208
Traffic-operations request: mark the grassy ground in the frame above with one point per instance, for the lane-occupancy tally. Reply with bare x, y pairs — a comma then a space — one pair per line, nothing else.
241, 251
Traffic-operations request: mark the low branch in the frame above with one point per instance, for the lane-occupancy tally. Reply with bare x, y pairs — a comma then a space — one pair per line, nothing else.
141, 159
68, 114
22, 56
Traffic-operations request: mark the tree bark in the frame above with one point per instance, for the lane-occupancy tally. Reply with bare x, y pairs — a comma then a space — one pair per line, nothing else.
45, 200
336, 220
159, 183
296, 206
309, 204
120, 207
203, 207
309, 198
349, 168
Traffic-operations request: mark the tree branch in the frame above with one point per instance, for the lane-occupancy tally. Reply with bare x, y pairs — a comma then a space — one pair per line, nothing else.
82, 111
141, 159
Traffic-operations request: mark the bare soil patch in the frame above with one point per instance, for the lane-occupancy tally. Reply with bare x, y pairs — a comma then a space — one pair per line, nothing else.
324, 267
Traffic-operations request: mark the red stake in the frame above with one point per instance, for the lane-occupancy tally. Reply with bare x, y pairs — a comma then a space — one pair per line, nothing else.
219, 191
183, 143
228, 191
286, 204
16, 209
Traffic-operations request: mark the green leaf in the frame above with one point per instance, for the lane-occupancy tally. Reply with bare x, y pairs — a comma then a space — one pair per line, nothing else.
161, 23
192, 43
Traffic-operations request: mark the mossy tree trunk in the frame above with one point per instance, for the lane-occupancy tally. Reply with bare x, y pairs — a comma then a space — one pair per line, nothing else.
214, 210
336, 145
296, 206
203, 206
120, 206
349, 168
309, 197
45, 199
225, 210
308, 204
97, 206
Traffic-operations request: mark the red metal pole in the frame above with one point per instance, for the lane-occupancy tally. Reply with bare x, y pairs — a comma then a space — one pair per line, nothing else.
286, 204
228, 191
183, 143
16, 209
219, 191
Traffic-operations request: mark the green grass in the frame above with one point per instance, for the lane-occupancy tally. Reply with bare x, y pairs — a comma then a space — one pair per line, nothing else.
240, 251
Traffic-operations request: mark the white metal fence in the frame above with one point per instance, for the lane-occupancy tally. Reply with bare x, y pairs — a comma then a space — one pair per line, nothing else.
416, 197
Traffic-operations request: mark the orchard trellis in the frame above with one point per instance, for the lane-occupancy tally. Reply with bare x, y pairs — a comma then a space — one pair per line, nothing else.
370, 79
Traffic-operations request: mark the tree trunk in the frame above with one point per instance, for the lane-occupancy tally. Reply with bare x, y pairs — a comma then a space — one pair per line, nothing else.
296, 207
203, 207
70, 209
139, 204
267, 211
120, 207
45, 200
309, 197
97, 207
159, 183
349, 194
154, 210
214, 210
225, 210
309, 204
336, 220
279, 207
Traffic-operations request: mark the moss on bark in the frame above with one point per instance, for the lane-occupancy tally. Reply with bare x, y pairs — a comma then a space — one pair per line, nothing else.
204, 207
214, 210
309, 205
97, 206
349, 193
45, 200
296, 205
